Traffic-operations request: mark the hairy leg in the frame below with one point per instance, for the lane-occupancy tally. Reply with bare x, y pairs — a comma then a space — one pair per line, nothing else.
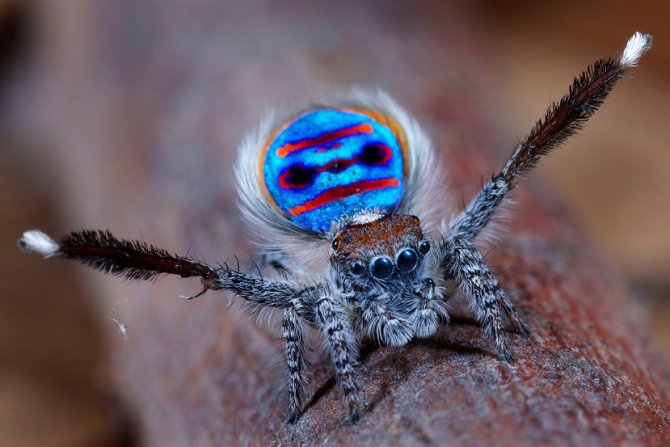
562, 120
465, 264
141, 261
295, 358
460, 259
332, 320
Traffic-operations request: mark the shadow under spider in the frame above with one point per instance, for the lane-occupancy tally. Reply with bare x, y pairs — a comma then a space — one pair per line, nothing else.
319, 393
403, 369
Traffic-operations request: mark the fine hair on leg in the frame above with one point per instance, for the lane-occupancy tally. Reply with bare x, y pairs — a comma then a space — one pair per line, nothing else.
562, 120
331, 319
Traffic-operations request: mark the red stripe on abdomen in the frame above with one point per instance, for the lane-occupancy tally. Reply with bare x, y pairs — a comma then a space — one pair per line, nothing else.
325, 138
342, 192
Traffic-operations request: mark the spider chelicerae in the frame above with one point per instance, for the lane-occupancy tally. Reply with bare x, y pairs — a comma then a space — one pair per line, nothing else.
355, 176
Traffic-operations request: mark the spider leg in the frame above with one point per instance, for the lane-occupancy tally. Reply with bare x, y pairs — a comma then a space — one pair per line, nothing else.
463, 262
278, 293
101, 250
295, 358
141, 261
586, 94
459, 257
331, 318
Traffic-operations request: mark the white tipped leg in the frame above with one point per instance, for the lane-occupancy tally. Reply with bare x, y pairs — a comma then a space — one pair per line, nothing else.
38, 242
636, 46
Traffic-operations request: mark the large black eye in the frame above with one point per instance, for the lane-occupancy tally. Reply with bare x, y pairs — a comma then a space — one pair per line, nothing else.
335, 244
424, 247
357, 268
406, 260
381, 268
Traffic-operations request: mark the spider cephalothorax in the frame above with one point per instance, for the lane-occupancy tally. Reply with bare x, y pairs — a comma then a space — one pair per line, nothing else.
354, 175
380, 260
381, 247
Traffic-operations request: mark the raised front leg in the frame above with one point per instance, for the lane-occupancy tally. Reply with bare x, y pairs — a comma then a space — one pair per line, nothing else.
332, 320
465, 264
561, 121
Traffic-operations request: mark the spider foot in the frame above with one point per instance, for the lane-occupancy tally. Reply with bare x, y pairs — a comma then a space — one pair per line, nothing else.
292, 417
354, 414
352, 396
522, 329
505, 357
502, 347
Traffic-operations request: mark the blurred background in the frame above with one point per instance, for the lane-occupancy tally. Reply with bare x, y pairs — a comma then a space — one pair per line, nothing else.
615, 178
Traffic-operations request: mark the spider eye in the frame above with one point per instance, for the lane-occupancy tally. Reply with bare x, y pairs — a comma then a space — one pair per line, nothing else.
357, 268
407, 260
335, 244
424, 247
381, 268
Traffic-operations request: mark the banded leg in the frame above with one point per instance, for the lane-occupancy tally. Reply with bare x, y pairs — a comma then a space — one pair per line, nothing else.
295, 358
331, 319
463, 262
261, 292
562, 120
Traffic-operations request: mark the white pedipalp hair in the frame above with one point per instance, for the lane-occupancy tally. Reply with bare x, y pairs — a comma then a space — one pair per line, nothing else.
636, 46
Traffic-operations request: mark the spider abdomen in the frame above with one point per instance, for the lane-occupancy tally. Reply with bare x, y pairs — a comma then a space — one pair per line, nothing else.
327, 164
